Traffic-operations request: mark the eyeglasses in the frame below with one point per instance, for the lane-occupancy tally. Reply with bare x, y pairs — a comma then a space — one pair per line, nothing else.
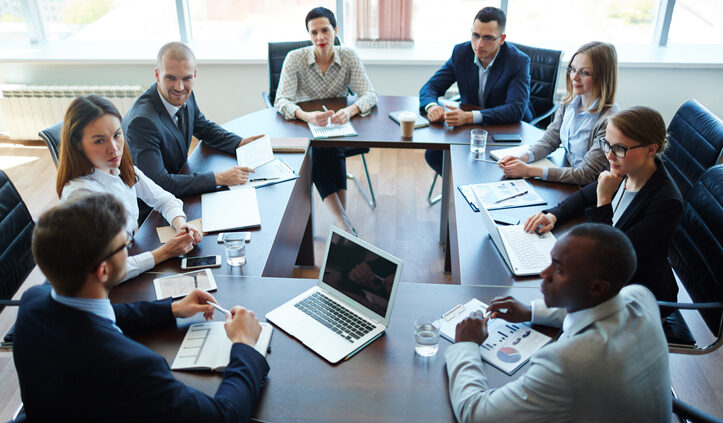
128, 244
485, 38
582, 73
618, 150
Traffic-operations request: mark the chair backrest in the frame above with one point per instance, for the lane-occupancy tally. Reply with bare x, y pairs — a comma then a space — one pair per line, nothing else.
16, 232
696, 252
695, 144
51, 136
544, 68
277, 54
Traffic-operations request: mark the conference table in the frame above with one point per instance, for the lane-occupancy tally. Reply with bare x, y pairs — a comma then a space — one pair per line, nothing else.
386, 381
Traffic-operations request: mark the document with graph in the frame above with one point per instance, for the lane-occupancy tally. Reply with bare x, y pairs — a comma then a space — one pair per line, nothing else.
332, 130
508, 346
206, 347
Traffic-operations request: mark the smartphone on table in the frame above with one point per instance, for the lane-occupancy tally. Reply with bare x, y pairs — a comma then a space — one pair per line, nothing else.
200, 262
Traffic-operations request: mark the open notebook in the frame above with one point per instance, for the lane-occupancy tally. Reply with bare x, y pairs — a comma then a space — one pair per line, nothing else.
206, 347
332, 130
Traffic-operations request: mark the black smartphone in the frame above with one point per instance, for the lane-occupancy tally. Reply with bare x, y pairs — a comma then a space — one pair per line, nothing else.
505, 220
507, 138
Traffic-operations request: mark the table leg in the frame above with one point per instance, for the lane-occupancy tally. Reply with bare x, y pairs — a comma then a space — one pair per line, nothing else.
446, 191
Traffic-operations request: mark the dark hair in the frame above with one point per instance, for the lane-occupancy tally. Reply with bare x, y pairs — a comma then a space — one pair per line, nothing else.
642, 124
72, 162
320, 12
489, 14
71, 238
615, 260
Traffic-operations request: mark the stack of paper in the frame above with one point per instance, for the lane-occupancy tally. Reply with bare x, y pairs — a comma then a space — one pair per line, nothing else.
516, 151
227, 210
503, 194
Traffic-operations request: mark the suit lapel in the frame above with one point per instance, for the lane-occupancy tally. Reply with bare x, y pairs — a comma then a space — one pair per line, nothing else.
473, 81
168, 122
494, 73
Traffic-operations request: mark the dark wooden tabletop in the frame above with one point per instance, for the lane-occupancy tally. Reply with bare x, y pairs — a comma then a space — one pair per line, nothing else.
475, 259
375, 130
385, 381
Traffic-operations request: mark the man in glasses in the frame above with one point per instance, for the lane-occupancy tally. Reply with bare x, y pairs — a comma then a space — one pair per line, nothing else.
72, 351
610, 364
489, 73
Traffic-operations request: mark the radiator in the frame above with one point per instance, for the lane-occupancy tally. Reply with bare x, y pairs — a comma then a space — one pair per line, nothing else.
26, 110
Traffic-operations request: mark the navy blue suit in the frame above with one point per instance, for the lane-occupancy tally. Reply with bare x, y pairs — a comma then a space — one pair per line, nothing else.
160, 150
506, 94
75, 366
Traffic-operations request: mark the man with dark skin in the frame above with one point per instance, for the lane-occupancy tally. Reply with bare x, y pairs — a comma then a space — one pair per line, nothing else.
609, 364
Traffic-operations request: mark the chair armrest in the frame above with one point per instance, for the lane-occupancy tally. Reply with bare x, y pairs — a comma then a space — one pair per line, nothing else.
267, 101
545, 115
687, 412
9, 302
692, 306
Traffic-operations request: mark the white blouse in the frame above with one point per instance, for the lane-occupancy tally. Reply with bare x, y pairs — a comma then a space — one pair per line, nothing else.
145, 189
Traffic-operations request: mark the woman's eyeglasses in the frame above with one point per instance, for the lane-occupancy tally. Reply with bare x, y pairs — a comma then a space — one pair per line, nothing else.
618, 150
582, 73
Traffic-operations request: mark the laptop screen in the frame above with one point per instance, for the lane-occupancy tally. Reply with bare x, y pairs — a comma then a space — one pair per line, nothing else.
361, 274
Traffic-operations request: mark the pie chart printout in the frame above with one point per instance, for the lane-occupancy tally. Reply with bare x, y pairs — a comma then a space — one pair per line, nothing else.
508, 355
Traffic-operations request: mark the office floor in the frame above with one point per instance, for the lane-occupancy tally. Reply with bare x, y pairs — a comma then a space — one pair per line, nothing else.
402, 224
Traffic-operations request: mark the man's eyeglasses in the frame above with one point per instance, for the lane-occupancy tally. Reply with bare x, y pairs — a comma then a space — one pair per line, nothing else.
583, 74
128, 244
485, 38
618, 150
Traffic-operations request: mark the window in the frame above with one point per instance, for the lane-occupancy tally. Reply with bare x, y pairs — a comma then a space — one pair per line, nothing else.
436, 26
12, 22
109, 20
564, 22
697, 22
254, 21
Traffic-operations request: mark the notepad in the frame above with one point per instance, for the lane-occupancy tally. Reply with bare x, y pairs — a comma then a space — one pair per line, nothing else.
207, 347
332, 130
178, 286
256, 153
516, 151
504, 194
508, 346
166, 232
232, 209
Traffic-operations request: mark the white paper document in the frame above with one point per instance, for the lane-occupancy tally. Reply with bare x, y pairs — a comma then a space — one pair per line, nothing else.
508, 346
232, 209
505, 194
273, 172
207, 347
178, 286
515, 151
256, 153
332, 130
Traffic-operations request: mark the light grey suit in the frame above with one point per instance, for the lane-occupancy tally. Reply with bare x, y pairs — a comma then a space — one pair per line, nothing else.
610, 365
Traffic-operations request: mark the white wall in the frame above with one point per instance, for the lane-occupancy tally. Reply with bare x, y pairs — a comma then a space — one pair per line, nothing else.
226, 91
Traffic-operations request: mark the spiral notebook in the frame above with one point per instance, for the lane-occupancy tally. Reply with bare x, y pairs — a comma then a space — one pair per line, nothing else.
332, 130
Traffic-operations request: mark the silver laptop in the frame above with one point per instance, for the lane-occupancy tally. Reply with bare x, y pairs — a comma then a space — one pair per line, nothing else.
526, 254
352, 303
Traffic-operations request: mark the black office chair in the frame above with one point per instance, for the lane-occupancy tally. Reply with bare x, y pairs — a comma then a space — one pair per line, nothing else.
544, 68
51, 136
277, 55
695, 144
696, 255
690, 414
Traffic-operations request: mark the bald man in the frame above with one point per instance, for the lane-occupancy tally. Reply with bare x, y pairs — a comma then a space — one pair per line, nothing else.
609, 365
162, 121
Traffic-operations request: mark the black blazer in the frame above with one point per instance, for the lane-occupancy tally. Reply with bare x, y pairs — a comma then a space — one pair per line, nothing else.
75, 366
649, 222
159, 149
507, 91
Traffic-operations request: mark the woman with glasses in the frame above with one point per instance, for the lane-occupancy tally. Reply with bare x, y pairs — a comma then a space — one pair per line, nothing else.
324, 70
637, 196
579, 122
94, 158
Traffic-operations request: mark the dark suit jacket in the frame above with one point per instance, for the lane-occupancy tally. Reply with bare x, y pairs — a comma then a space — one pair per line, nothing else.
649, 222
507, 92
75, 366
159, 149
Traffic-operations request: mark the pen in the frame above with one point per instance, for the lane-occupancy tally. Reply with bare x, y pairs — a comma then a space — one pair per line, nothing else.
511, 197
195, 281
324, 107
219, 308
264, 179
186, 228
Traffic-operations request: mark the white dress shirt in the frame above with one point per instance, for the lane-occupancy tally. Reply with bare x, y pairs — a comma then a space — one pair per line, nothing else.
301, 80
483, 74
170, 108
145, 189
609, 365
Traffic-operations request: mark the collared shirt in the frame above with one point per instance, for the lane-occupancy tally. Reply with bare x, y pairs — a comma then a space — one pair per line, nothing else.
170, 108
145, 189
483, 74
99, 307
302, 79
574, 132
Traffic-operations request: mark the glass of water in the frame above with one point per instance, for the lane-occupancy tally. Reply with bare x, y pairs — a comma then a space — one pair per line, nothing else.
478, 143
235, 251
426, 336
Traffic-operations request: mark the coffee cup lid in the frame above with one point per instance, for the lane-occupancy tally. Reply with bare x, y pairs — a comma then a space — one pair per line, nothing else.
407, 116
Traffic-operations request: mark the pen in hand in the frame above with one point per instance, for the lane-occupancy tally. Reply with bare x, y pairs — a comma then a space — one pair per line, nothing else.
219, 308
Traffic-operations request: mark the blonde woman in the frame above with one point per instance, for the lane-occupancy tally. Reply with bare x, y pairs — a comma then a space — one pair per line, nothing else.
579, 122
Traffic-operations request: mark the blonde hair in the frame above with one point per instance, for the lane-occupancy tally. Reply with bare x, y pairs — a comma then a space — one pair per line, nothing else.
604, 60
641, 124
72, 162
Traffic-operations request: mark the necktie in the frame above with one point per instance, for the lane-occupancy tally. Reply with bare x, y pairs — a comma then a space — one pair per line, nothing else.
180, 115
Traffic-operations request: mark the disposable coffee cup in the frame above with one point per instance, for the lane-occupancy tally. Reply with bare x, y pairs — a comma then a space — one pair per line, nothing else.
406, 121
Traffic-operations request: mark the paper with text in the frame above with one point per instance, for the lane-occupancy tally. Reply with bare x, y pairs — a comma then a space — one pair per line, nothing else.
256, 153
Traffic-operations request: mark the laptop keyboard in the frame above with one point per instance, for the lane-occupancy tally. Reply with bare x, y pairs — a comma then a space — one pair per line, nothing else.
334, 316
523, 246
